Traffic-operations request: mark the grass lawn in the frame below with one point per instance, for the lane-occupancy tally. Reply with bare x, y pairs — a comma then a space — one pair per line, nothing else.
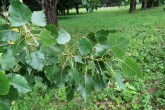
146, 32
118, 18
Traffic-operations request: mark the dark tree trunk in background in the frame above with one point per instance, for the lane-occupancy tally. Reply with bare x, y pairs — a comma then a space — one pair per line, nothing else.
132, 6
1, 3
50, 7
150, 3
67, 9
156, 3
77, 10
144, 5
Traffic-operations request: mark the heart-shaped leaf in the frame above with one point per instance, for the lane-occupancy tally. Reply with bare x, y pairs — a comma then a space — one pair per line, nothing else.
20, 83
101, 49
35, 60
118, 45
63, 37
74, 75
46, 38
52, 72
131, 68
7, 61
38, 18
19, 14
85, 46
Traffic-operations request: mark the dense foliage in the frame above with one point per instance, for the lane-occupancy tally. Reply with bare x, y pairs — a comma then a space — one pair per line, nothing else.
30, 49
90, 5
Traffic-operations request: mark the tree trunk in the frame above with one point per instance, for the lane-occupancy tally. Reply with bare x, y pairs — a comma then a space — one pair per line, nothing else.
144, 5
50, 7
77, 10
132, 6
156, 3
67, 9
150, 3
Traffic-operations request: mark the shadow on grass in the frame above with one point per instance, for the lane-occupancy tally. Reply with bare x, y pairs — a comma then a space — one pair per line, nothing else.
69, 16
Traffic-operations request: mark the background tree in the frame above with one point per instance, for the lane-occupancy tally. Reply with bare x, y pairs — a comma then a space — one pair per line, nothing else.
144, 4
34, 5
108, 3
90, 5
132, 6
156, 3
63, 5
50, 7
150, 3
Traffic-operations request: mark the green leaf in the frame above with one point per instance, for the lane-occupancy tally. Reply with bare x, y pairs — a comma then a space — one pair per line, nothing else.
46, 38
119, 81
101, 36
2, 20
9, 35
56, 75
101, 49
35, 31
38, 18
129, 86
118, 45
63, 37
52, 28
85, 46
75, 75
51, 72
20, 83
78, 59
51, 54
51, 51
2, 50
100, 81
69, 93
4, 27
18, 48
131, 92
12, 95
131, 68
99, 86
50, 61
7, 61
4, 83
4, 105
86, 87
19, 14
91, 37
35, 60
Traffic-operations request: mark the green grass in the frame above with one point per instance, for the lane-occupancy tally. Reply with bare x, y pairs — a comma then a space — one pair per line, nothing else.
146, 31
80, 25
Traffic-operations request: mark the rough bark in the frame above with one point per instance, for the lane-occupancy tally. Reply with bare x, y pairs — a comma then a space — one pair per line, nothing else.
50, 7
132, 6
